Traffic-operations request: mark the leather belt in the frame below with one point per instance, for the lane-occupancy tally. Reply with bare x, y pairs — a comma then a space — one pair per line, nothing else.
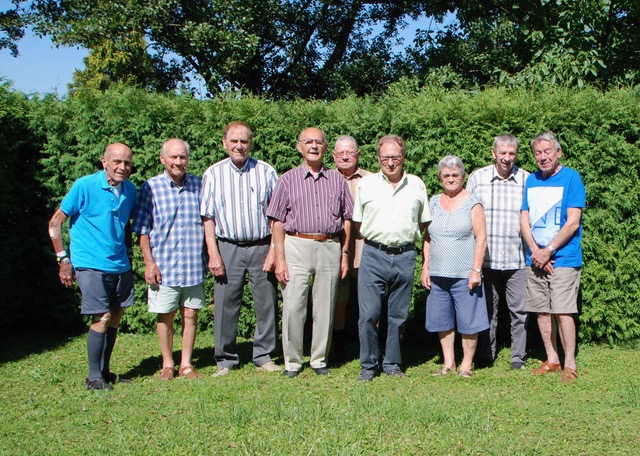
313, 236
264, 240
391, 250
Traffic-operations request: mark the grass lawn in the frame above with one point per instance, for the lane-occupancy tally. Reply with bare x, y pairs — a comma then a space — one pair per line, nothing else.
45, 410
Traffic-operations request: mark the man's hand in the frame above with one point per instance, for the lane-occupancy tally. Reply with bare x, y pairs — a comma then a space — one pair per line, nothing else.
344, 265
216, 266
282, 272
152, 275
541, 259
67, 273
269, 261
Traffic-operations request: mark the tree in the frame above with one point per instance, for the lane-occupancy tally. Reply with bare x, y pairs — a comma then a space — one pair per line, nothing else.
536, 42
280, 48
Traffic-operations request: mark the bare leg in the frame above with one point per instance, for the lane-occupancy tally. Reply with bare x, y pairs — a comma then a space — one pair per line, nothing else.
447, 339
567, 326
164, 328
189, 330
548, 332
469, 344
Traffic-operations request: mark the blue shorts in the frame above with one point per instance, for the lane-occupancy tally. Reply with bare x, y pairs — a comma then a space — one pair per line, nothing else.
451, 304
102, 292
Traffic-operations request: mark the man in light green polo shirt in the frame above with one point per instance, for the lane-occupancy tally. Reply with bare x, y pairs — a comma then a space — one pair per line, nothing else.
391, 212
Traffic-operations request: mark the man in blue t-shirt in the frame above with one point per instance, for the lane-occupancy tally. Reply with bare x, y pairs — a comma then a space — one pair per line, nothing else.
551, 226
99, 207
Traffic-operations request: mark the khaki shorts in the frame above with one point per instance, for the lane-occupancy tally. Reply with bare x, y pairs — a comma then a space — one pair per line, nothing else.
166, 299
555, 293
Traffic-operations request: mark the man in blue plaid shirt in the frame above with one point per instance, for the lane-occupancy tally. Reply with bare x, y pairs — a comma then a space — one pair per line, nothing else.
171, 234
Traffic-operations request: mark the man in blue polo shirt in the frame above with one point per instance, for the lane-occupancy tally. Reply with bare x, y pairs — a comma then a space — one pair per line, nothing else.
99, 207
551, 226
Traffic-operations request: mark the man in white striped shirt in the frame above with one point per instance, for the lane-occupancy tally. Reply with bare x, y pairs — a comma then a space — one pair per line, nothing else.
499, 187
236, 193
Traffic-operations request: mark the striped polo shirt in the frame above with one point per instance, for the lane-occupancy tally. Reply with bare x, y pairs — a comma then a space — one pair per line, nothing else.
237, 199
308, 204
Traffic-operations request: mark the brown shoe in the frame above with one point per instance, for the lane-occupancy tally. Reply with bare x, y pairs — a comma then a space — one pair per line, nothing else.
167, 373
189, 372
568, 375
546, 367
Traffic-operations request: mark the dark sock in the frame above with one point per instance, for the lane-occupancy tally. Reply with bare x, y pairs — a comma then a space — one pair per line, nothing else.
112, 333
95, 348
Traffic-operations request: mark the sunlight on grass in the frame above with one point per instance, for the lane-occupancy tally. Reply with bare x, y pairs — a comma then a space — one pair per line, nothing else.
497, 411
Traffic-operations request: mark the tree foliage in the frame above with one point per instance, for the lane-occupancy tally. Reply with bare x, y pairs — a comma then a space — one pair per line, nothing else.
327, 49
536, 43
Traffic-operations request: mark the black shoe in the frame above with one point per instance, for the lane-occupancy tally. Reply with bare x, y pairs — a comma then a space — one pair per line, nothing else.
395, 373
321, 370
97, 384
517, 366
290, 374
112, 378
366, 375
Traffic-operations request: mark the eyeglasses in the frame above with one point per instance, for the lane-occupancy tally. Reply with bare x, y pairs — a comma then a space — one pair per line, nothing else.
450, 176
393, 158
348, 153
311, 142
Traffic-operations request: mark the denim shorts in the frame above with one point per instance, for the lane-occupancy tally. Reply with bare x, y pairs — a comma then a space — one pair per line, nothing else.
450, 304
102, 292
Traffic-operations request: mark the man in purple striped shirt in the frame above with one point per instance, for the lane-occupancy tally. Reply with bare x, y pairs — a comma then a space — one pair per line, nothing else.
235, 195
311, 212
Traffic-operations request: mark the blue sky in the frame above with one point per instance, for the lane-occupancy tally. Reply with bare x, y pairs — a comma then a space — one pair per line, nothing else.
40, 67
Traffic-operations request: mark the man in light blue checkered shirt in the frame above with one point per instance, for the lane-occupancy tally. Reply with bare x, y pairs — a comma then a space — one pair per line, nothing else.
171, 233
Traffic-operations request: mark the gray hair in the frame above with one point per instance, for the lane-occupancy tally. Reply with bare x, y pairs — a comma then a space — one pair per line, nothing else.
546, 136
507, 140
348, 138
184, 143
450, 161
392, 138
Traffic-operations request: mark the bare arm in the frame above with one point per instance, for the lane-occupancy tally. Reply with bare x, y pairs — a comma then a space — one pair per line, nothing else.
270, 259
277, 238
152, 273
527, 237
479, 226
66, 273
425, 277
216, 265
345, 254
541, 257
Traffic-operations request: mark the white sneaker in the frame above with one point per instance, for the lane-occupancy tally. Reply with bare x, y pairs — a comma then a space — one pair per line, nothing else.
221, 372
269, 367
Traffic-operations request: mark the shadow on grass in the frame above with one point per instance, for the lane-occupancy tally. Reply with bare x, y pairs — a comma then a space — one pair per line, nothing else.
19, 346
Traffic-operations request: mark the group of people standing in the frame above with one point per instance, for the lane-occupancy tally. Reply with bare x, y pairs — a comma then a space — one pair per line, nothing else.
324, 235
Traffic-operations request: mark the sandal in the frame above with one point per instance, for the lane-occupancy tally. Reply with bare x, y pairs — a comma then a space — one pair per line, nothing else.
442, 372
167, 373
568, 375
546, 367
465, 374
188, 372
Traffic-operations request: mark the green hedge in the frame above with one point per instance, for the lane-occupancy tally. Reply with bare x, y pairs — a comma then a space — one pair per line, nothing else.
599, 133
